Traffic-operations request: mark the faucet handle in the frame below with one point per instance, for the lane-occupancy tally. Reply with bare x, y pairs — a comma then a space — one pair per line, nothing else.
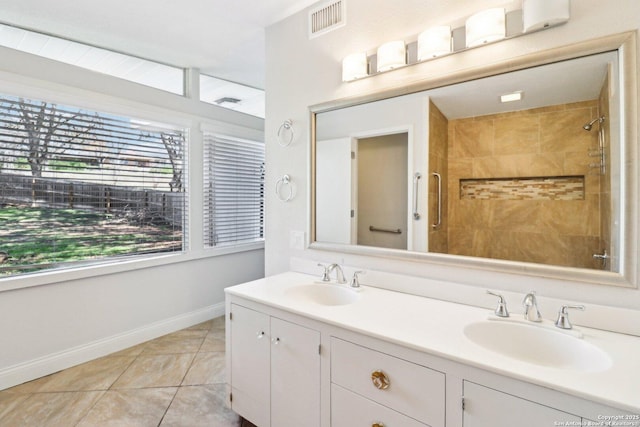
501, 309
563, 316
355, 282
325, 273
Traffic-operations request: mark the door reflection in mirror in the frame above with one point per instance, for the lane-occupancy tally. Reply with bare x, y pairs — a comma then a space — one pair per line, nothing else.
381, 186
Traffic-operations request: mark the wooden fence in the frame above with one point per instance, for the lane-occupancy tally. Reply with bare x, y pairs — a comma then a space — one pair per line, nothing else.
134, 203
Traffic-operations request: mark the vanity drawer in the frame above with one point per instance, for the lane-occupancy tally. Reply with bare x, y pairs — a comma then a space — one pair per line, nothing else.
351, 410
411, 389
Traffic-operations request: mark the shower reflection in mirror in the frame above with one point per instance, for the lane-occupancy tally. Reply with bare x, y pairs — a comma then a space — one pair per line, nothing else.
530, 183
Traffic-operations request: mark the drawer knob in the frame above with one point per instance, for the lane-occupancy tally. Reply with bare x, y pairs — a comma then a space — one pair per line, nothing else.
380, 380
377, 425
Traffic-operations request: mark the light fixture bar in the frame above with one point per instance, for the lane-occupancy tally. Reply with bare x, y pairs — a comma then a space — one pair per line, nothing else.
485, 27
417, 52
392, 55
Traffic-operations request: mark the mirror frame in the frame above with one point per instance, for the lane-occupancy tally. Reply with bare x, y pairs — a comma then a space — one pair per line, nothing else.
625, 44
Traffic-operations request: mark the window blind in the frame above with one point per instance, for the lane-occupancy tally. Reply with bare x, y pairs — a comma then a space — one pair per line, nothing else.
80, 186
233, 190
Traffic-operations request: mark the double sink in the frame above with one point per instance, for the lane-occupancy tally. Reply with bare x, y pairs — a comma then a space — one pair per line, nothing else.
540, 344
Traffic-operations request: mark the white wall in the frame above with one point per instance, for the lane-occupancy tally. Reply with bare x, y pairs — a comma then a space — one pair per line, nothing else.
303, 72
52, 321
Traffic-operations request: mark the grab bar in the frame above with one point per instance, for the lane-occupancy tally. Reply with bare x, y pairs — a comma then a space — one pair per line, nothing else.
385, 230
416, 178
439, 179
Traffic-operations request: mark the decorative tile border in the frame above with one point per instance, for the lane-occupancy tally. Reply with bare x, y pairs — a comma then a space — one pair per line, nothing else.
535, 188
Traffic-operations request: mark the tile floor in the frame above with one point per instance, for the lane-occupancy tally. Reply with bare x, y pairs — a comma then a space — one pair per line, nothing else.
175, 380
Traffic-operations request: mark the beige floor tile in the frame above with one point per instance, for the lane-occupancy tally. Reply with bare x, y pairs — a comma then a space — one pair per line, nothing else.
136, 350
200, 406
214, 341
185, 341
9, 401
185, 369
163, 370
207, 368
204, 325
98, 374
218, 323
51, 409
130, 408
28, 387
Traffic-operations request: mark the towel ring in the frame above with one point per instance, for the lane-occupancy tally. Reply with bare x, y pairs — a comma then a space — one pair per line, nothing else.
283, 182
285, 127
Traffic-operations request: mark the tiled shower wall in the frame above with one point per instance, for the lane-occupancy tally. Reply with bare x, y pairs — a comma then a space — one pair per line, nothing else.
544, 142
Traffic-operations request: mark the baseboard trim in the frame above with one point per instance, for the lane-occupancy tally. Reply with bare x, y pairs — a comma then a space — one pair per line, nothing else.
49, 364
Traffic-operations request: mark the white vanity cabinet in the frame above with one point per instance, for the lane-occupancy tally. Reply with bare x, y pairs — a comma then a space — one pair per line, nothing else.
293, 362
363, 377
275, 369
485, 407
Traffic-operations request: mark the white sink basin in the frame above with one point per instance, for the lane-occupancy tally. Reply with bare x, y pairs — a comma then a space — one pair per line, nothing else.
324, 294
538, 345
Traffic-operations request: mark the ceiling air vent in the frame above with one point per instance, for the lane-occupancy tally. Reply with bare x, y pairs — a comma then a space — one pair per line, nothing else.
326, 17
228, 99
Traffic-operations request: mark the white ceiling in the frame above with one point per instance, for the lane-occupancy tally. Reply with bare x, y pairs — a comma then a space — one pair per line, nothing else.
224, 38
563, 82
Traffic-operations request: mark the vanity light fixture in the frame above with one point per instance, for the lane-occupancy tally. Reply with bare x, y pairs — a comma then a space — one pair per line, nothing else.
433, 42
510, 97
540, 14
485, 27
355, 66
482, 28
392, 55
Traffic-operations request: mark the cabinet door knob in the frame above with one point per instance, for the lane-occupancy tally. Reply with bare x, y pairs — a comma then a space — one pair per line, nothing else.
260, 334
380, 380
377, 425
275, 341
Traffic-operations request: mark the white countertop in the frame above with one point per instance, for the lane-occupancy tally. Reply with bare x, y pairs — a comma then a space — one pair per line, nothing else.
436, 327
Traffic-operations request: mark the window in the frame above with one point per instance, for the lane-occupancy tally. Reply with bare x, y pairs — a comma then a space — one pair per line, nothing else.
233, 191
148, 73
80, 186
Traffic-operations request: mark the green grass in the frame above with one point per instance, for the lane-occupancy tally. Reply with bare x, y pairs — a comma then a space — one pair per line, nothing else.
68, 165
34, 236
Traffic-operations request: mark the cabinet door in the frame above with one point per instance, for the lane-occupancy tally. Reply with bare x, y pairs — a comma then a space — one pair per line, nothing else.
485, 407
250, 365
295, 375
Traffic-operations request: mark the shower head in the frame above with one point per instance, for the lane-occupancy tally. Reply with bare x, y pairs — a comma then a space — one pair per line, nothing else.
589, 125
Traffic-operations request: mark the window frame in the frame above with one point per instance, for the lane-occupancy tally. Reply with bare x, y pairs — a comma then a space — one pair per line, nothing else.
177, 87
238, 133
30, 76
114, 264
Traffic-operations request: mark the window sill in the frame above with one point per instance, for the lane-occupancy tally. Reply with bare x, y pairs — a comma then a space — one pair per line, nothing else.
56, 276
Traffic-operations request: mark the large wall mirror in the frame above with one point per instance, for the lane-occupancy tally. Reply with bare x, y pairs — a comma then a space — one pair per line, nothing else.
531, 168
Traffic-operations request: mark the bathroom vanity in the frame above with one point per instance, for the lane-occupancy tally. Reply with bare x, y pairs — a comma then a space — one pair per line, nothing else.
301, 352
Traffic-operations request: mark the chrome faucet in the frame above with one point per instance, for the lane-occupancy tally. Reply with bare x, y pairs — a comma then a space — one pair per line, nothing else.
355, 280
326, 274
339, 273
501, 309
531, 311
563, 316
